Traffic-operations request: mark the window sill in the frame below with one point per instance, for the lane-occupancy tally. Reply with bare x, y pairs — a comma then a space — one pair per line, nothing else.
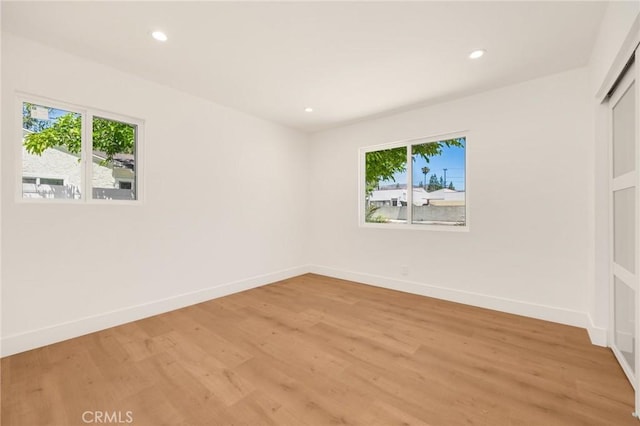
416, 227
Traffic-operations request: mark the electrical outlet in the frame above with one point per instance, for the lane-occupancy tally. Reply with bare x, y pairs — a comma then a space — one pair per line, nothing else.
404, 270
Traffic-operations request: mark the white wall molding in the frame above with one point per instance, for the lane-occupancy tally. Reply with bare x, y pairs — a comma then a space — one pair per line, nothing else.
32, 339
598, 335
547, 313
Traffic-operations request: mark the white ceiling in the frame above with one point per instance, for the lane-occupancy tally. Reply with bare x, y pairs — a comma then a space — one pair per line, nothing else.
347, 60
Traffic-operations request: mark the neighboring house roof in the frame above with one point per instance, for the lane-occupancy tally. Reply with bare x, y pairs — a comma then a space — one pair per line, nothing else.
420, 196
441, 192
387, 194
58, 163
447, 194
122, 160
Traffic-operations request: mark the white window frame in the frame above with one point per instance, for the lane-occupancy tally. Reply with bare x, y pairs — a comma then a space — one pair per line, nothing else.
86, 151
409, 225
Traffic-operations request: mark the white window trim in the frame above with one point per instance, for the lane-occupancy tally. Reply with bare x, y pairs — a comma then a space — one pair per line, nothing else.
86, 158
409, 225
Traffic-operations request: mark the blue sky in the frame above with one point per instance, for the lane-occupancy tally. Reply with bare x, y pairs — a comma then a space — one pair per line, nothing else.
452, 159
54, 113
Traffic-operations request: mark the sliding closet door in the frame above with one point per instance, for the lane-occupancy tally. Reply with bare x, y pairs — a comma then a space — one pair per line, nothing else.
624, 225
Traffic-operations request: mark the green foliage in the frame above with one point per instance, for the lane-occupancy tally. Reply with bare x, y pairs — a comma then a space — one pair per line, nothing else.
110, 137
31, 123
378, 219
65, 132
451, 186
382, 165
434, 183
369, 215
113, 137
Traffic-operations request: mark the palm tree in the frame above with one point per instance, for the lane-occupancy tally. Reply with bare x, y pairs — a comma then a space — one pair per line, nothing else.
425, 171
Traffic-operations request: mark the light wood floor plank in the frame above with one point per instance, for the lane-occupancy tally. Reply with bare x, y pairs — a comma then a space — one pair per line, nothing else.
315, 351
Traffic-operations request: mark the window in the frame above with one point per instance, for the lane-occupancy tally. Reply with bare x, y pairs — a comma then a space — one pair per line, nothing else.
434, 169
51, 181
77, 153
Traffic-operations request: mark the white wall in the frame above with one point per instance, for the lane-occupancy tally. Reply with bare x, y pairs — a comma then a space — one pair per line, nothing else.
71, 269
1, 130
610, 48
614, 29
528, 170
223, 207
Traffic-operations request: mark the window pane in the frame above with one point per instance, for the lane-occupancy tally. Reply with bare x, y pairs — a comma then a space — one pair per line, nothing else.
624, 228
51, 144
386, 186
624, 156
114, 160
625, 311
439, 183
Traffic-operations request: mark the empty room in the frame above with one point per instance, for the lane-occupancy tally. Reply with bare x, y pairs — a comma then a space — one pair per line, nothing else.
317, 213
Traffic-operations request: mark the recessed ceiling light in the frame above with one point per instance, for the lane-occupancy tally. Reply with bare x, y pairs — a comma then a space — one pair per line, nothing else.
159, 35
477, 53
308, 109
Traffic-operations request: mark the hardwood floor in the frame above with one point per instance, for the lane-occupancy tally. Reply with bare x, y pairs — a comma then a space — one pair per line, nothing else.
319, 351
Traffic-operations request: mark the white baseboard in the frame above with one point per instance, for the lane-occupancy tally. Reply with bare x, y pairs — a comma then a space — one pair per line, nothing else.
598, 335
32, 339
547, 313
